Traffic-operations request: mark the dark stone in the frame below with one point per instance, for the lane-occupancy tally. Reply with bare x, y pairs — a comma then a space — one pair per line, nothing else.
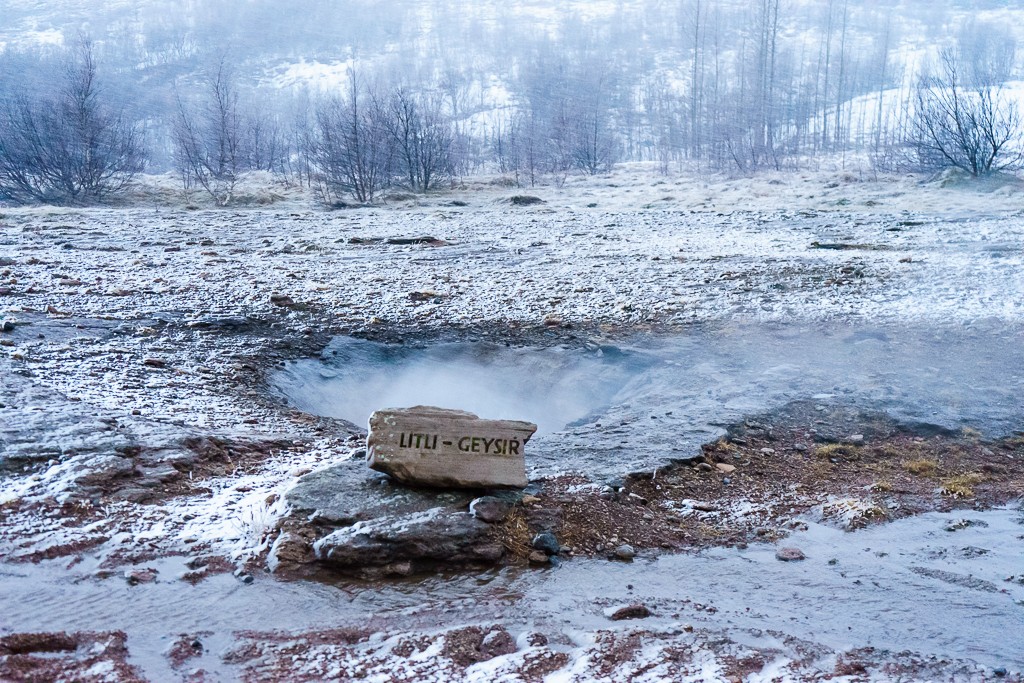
625, 552
222, 323
546, 542
539, 557
490, 509
636, 611
525, 200
438, 536
423, 239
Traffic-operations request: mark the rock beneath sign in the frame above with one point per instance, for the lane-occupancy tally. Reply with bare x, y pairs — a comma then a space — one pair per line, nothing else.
428, 446
437, 536
345, 493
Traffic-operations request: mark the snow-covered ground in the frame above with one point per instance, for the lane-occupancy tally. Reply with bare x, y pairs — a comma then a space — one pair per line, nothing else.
630, 251
160, 322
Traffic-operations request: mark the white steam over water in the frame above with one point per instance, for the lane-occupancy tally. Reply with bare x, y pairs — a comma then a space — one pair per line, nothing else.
604, 409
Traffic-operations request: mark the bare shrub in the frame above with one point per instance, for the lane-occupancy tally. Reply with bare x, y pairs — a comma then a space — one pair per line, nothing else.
66, 147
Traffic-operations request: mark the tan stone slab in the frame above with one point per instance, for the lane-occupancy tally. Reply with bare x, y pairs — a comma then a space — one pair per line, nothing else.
430, 446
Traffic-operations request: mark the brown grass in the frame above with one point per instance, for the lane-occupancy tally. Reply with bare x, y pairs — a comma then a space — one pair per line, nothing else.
514, 534
922, 467
962, 485
838, 450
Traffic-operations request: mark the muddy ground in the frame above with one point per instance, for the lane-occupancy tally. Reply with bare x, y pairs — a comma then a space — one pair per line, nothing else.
137, 426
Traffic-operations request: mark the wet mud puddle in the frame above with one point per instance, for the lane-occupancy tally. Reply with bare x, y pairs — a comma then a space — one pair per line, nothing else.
610, 409
951, 585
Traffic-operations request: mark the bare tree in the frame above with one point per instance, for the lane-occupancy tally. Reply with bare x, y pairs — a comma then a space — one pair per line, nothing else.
974, 129
71, 147
594, 147
422, 138
264, 142
208, 137
351, 148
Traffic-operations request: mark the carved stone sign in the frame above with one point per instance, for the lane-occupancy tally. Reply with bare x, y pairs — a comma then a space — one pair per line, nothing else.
430, 446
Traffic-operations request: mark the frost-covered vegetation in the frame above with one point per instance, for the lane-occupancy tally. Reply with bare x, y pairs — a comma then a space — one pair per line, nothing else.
356, 97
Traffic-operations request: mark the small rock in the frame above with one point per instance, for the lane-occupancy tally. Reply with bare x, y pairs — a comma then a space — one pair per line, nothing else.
704, 467
999, 671
137, 576
625, 552
155, 362
725, 469
281, 300
404, 568
704, 507
546, 542
525, 200
800, 448
530, 500
6, 326
490, 509
789, 554
246, 578
964, 524
855, 439
538, 557
768, 451
534, 639
635, 611
497, 643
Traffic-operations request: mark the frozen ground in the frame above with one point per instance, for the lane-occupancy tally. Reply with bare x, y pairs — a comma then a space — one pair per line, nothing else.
144, 336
